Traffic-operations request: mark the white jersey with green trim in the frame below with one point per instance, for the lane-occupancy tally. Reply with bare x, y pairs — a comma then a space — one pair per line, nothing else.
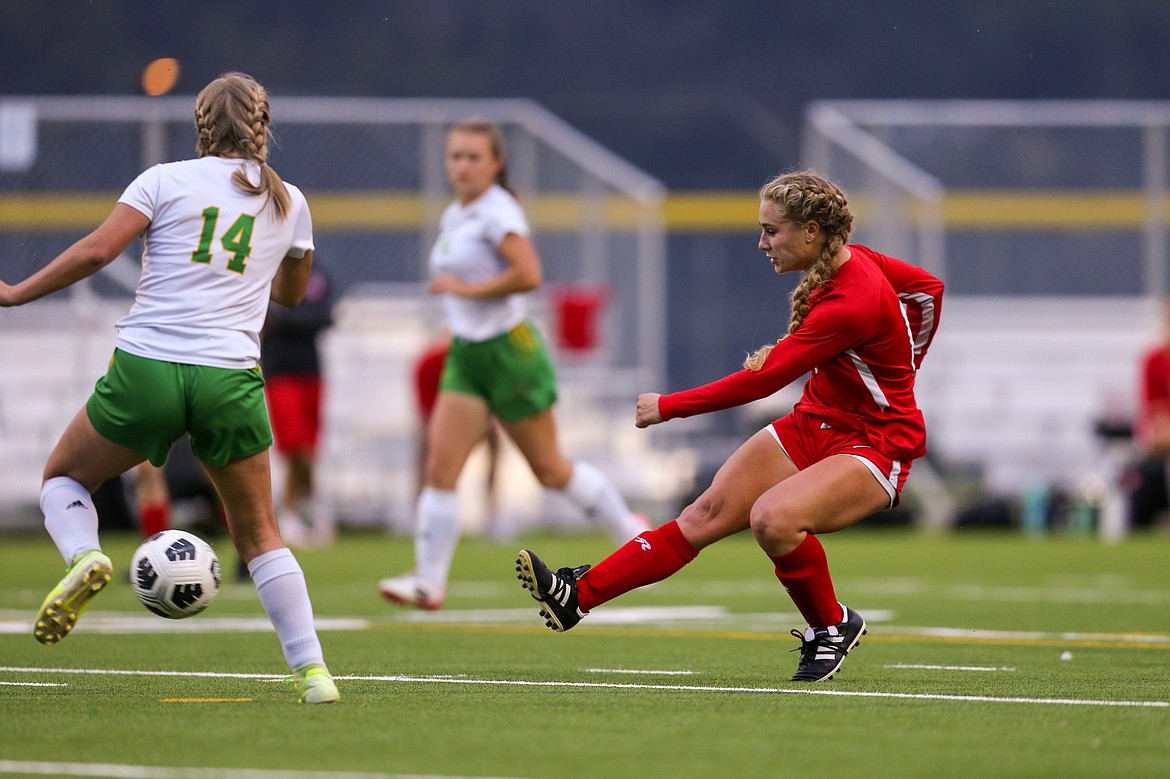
468, 246
211, 252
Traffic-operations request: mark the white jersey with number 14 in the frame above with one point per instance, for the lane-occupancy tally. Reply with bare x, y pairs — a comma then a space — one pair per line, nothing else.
210, 254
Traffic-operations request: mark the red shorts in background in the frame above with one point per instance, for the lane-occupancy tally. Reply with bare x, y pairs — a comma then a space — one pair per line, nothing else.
294, 407
428, 371
807, 439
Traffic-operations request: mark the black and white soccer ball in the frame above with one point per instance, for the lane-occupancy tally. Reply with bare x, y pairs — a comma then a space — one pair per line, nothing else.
175, 574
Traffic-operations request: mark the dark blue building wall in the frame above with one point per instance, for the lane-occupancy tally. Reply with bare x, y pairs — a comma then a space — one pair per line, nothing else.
702, 94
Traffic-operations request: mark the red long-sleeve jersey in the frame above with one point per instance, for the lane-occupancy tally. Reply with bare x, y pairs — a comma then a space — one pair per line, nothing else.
865, 335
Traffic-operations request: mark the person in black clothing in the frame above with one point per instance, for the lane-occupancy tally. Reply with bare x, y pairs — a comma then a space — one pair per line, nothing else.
291, 360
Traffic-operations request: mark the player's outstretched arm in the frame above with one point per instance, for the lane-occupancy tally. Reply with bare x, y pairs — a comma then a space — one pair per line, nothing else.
81, 260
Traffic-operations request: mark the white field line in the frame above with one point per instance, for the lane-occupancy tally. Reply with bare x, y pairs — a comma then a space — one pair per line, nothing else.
121, 672
123, 771
1095, 590
628, 686
636, 671
949, 667
694, 617
1024, 635
678, 618
34, 684
1062, 595
116, 623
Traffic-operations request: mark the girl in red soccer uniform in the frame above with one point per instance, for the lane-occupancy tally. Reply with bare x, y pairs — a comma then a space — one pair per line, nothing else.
861, 324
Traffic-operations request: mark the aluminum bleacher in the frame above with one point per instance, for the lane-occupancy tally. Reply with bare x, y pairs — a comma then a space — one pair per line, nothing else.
54, 351
1018, 385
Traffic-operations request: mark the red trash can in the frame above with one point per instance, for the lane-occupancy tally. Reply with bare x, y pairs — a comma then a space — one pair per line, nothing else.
578, 312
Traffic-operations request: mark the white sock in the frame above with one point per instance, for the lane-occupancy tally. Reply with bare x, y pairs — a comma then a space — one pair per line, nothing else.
284, 595
436, 534
595, 494
70, 516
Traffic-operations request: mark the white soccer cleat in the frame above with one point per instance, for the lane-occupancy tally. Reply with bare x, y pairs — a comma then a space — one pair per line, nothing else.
413, 590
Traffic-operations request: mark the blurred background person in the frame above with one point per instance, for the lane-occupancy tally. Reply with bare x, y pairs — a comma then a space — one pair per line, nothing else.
178, 494
1146, 480
293, 387
428, 372
483, 265
154, 499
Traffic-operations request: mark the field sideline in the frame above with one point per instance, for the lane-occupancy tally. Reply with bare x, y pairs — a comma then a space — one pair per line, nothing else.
988, 655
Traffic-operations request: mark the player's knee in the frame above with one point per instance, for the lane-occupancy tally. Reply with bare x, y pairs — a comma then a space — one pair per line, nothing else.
552, 474
774, 527
708, 519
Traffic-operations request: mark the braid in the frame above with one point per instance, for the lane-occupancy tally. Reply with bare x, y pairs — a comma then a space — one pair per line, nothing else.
821, 271
232, 120
254, 126
807, 197
204, 127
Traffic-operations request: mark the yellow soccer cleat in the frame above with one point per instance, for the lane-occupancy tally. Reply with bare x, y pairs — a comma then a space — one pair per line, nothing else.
88, 574
314, 684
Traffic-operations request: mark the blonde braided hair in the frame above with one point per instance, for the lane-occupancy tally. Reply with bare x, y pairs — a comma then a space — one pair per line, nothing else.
804, 197
232, 119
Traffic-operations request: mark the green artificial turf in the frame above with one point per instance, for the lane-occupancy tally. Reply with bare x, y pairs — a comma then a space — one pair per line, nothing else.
987, 655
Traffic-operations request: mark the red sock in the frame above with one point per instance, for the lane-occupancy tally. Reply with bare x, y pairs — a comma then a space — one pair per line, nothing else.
648, 558
804, 572
156, 517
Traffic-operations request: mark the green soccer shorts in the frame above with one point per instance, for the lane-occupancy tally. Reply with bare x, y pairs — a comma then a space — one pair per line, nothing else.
146, 405
512, 372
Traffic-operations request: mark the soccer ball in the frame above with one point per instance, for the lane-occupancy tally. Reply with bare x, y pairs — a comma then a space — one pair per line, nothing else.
175, 574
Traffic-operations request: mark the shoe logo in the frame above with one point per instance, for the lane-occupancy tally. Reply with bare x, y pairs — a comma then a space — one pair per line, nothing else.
560, 592
76, 504
644, 543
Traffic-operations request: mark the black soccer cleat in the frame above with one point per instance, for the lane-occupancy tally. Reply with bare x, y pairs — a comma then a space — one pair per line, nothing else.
823, 650
557, 592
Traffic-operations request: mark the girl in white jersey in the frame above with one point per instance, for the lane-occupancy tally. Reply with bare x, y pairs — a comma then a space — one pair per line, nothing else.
223, 234
483, 265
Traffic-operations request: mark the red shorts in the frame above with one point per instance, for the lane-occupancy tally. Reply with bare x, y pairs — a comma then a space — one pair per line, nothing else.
294, 407
428, 370
807, 439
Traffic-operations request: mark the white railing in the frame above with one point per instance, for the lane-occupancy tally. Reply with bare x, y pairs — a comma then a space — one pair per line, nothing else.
596, 219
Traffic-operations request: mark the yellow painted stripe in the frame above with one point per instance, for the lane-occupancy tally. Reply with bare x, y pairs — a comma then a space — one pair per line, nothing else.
988, 210
1060, 210
373, 211
706, 211
54, 212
